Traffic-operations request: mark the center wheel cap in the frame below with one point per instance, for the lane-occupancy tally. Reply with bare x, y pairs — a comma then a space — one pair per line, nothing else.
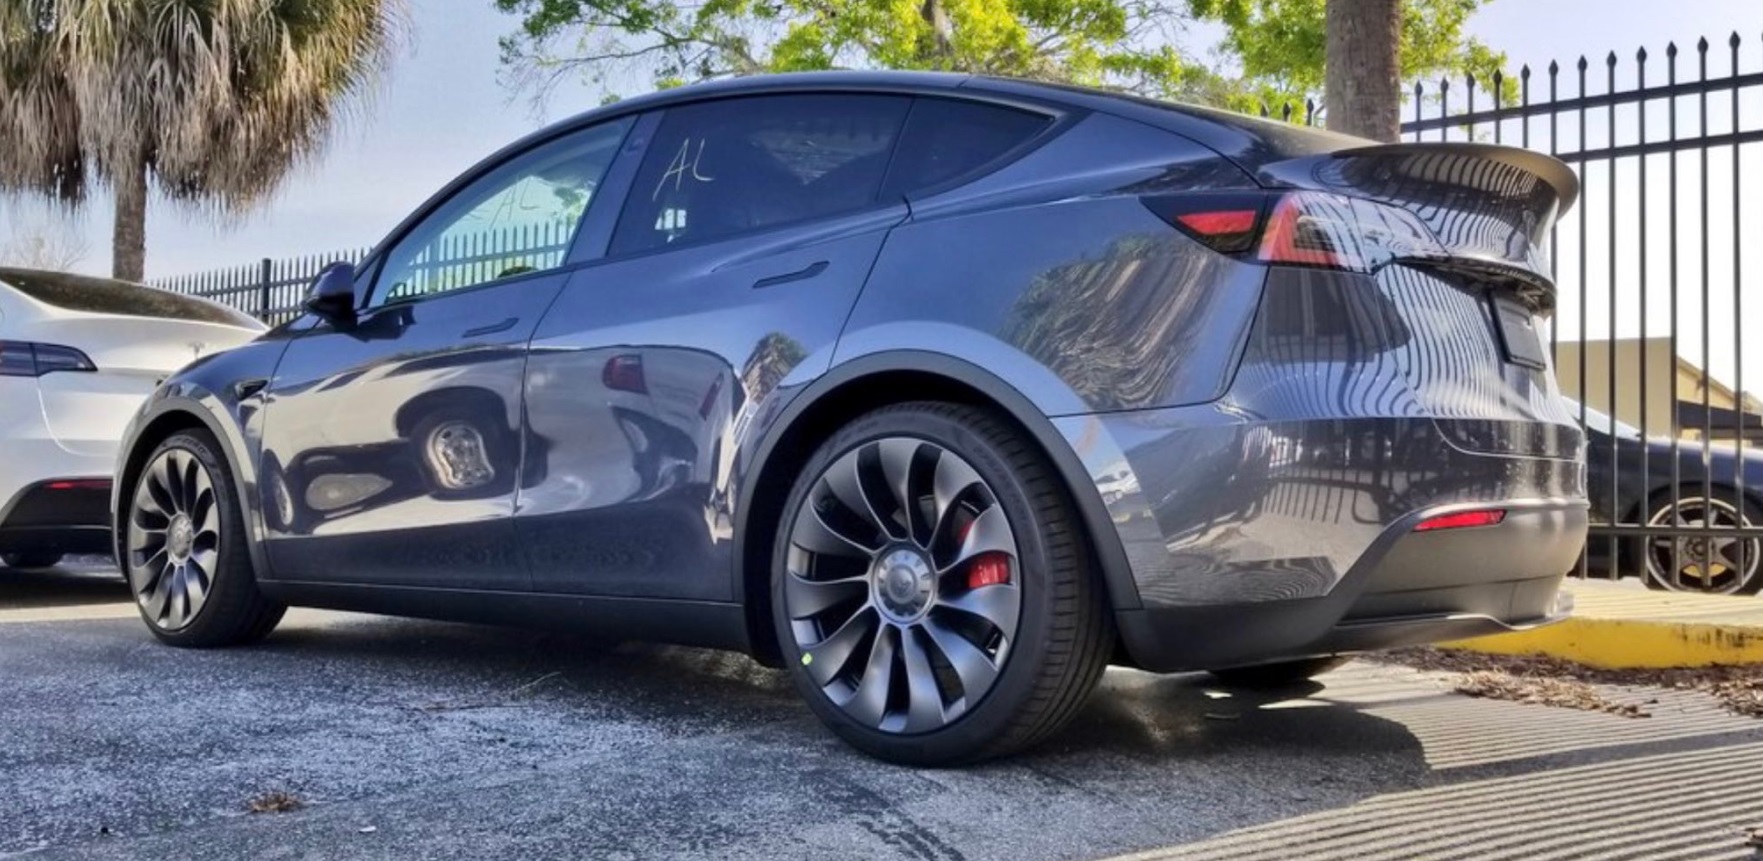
180, 538
904, 584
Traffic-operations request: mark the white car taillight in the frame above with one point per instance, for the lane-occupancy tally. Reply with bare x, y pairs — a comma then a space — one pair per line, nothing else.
25, 359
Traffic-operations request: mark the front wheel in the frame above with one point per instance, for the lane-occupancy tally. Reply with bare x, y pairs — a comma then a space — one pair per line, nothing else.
186, 559
1711, 563
28, 560
932, 590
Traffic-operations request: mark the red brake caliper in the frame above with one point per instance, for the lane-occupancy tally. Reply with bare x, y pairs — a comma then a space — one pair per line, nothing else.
986, 569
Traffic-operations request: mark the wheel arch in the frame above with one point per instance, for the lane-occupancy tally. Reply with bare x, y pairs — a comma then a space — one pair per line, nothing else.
167, 419
864, 384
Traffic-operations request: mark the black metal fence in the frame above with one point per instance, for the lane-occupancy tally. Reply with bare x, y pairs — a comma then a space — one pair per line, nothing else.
272, 290
1650, 332
1650, 335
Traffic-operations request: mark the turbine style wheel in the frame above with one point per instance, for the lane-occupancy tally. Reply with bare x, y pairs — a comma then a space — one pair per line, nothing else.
931, 590
186, 559
1714, 563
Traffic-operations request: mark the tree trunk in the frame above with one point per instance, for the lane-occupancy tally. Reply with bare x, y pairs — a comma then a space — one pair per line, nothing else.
128, 249
1362, 79
942, 46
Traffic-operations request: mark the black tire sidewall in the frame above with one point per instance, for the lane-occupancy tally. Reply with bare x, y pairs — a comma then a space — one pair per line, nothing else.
993, 716
233, 591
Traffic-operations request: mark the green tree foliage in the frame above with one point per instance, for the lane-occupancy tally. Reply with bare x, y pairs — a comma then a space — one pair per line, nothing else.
1271, 50
1124, 43
1278, 46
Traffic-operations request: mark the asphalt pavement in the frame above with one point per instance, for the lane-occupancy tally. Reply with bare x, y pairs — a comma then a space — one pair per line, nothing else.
405, 739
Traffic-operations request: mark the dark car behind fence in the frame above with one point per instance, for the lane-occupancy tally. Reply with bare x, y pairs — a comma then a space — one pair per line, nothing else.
1648, 338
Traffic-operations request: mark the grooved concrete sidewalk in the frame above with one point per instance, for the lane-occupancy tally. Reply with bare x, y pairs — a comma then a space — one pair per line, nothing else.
1695, 804
1627, 626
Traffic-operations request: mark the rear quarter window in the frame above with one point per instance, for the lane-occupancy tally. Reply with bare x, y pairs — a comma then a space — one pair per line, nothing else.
947, 139
102, 296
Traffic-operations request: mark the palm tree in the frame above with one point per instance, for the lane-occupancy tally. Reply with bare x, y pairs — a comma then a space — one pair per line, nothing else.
211, 102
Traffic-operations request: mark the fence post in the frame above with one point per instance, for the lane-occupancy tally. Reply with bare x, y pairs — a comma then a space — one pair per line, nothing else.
263, 291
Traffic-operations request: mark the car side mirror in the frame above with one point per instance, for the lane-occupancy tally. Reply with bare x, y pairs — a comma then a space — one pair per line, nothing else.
332, 294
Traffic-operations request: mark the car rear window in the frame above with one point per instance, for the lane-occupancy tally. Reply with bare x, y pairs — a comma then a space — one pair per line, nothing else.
103, 296
721, 168
946, 139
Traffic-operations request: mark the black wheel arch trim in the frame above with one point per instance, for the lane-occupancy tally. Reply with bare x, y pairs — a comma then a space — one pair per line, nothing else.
189, 407
1110, 551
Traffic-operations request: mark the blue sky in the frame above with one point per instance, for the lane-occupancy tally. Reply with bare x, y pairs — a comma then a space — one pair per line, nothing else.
444, 108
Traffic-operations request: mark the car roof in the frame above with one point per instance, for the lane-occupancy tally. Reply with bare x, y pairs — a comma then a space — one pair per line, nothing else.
1249, 142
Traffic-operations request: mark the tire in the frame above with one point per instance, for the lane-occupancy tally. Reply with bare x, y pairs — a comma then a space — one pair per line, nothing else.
1280, 675
1039, 658
25, 560
205, 560
1656, 557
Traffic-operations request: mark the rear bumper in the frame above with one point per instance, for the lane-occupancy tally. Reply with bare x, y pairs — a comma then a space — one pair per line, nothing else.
68, 515
1408, 588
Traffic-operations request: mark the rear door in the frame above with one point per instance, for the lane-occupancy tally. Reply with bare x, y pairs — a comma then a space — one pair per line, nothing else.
749, 230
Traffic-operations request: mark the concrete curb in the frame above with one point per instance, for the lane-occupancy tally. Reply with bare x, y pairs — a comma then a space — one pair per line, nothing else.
1624, 626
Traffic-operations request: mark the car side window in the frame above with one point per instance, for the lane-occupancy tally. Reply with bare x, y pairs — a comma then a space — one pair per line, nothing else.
948, 138
725, 167
517, 219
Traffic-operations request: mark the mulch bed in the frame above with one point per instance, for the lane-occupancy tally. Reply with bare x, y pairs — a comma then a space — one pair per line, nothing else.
1564, 684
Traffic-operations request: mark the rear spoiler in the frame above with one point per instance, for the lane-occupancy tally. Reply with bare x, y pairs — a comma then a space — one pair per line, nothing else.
1482, 202
1549, 169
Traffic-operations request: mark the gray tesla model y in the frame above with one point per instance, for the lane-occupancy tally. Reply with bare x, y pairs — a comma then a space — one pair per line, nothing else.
941, 392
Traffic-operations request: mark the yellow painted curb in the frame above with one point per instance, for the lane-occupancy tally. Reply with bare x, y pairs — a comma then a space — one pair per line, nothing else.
1629, 643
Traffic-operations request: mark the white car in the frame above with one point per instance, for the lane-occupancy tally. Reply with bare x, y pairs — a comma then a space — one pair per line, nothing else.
77, 356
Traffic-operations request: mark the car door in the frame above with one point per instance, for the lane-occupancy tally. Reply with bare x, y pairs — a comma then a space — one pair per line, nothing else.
393, 446
746, 235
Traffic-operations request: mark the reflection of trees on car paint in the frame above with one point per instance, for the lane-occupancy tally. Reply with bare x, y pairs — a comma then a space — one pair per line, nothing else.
772, 359
1111, 324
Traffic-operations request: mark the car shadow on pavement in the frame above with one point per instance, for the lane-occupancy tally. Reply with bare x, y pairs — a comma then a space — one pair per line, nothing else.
1146, 718
66, 586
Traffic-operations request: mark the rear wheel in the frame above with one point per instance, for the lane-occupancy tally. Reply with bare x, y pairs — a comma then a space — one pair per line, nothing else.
186, 558
28, 559
932, 591
1279, 675
1710, 564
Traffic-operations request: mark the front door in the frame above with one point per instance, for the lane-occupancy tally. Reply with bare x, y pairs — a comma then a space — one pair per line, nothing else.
393, 448
748, 231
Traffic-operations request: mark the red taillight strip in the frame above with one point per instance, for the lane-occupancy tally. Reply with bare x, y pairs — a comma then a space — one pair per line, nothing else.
1462, 520
1280, 243
1226, 223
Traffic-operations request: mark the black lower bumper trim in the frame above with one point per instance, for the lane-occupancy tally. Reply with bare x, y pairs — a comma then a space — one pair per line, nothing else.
1408, 589
70, 515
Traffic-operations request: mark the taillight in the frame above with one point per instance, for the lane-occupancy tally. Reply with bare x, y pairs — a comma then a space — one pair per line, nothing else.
1226, 223
1303, 228
25, 359
709, 402
1462, 520
1309, 228
624, 373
